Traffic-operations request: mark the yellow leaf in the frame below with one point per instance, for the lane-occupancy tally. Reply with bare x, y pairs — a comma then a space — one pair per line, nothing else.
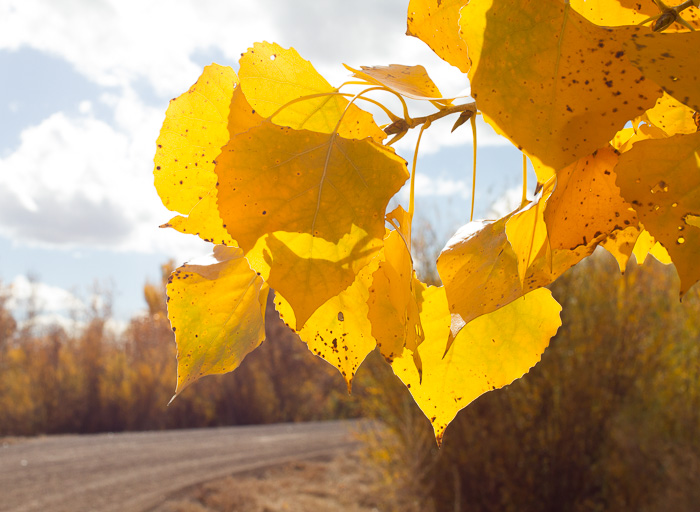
479, 270
393, 300
273, 178
489, 353
308, 270
668, 60
193, 132
436, 23
217, 311
672, 116
647, 245
339, 331
629, 12
272, 76
661, 179
586, 205
621, 245
527, 232
625, 139
552, 82
410, 81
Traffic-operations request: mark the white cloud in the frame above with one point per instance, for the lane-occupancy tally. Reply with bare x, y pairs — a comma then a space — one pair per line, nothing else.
79, 181
118, 42
46, 298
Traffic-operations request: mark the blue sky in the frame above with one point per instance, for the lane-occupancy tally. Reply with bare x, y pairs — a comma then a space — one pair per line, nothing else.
84, 85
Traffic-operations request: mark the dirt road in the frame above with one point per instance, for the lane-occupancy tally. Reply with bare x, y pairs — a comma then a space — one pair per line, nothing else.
136, 471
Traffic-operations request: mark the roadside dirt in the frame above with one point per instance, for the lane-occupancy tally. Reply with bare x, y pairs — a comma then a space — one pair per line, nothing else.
271, 467
334, 484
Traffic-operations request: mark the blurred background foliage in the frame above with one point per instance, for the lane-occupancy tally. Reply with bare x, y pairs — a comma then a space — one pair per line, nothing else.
95, 380
609, 420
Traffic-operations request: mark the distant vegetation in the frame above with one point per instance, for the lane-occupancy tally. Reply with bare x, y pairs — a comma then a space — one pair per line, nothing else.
53, 381
609, 420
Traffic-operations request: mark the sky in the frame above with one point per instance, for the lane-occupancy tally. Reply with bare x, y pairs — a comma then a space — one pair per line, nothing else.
84, 85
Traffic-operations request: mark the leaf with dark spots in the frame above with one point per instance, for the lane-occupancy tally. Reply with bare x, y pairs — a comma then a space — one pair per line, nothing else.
662, 178
217, 311
533, 58
667, 60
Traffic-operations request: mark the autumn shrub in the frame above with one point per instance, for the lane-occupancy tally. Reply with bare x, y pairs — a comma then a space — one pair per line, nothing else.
94, 379
608, 420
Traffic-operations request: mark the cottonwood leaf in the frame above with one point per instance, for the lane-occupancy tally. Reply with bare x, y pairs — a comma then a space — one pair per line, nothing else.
548, 79
645, 245
490, 352
436, 23
409, 81
667, 60
621, 245
308, 270
479, 270
339, 331
272, 76
586, 205
629, 12
672, 116
195, 128
393, 301
661, 179
527, 232
274, 178
217, 311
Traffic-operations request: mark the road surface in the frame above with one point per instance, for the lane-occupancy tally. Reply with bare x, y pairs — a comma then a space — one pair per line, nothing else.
133, 472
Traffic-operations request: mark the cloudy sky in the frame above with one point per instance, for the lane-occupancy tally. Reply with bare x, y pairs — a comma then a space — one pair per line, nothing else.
84, 85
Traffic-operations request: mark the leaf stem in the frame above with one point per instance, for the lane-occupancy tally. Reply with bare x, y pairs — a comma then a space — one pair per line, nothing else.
473, 122
403, 125
335, 92
412, 196
523, 201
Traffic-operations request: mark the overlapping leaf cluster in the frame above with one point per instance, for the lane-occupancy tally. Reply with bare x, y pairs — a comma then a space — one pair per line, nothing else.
291, 180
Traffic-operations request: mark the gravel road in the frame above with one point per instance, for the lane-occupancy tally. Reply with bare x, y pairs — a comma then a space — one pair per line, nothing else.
136, 471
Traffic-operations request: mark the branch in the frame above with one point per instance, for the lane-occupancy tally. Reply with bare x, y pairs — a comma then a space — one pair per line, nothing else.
401, 126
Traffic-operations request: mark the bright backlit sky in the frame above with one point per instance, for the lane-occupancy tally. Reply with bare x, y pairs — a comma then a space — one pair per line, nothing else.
84, 85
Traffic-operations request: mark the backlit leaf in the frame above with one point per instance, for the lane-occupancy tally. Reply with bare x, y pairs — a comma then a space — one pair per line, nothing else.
217, 311
308, 270
669, 61
436, 23
672, 116
527, 232
621, 245
339, 331
629, 12
193, 132
272, 76
393, 301
647, 245
273, 178
410, 81
552, 82
489, 353
586, 205
661, 179
479, 270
